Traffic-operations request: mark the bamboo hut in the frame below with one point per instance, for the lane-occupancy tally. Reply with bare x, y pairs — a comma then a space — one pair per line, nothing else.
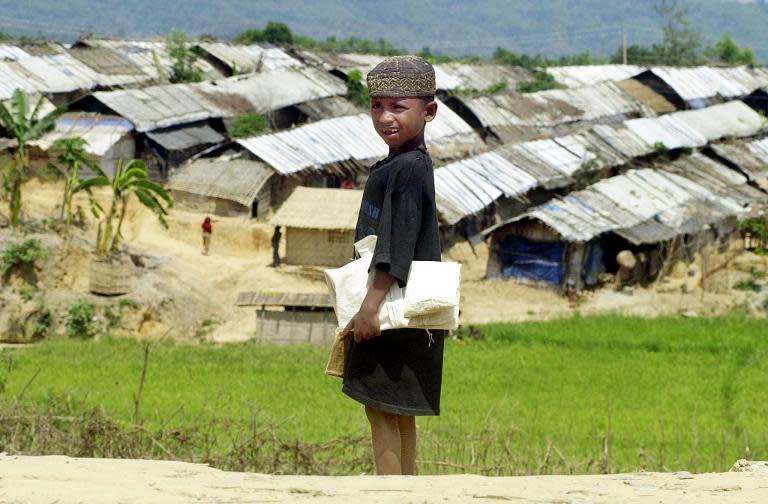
319, 225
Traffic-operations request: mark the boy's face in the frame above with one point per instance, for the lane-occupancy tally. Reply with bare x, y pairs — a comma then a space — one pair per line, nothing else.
399, 120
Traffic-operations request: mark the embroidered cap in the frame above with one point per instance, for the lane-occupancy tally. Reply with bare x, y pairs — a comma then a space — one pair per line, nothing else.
402, 76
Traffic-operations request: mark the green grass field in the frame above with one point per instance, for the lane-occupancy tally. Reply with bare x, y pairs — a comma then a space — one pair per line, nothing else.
597, 394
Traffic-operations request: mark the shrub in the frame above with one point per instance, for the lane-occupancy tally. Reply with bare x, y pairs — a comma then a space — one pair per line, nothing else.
128, 303
747, 285
542, 81
357, 92
80, 320
19, 254
247, 125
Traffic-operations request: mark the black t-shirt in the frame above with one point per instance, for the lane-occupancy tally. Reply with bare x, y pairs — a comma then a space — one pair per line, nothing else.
399, 208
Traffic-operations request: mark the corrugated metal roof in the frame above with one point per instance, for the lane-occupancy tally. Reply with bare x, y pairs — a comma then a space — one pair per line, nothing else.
343, 62
548, 176
732, 119
316, 144
148, 54
11, 79
750, 157
267, 91
668, 130
250, 58
349, 138
591, 147
468, 186
291, 299
111, 68
700, 83
449, 137
57, 73
161, 106
179, 139
548, 109
236, 180
324, 108
171, 104
478, 76
623, 140
646, 95
71, 71
12, 53
319, 208
716, 177
588, 75
651, 204
101, 132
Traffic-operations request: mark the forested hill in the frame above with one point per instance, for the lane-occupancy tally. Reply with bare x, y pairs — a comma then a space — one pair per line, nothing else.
549, 27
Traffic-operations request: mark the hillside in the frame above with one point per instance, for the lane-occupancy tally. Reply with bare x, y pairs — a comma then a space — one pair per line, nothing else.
550, 27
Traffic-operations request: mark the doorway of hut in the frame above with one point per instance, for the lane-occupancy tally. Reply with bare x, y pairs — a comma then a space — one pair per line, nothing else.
255, 209
648, 258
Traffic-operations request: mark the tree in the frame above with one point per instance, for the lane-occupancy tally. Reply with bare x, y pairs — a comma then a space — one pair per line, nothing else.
726, 50
183, 58
278, 33
131, 178
274, 33
681, 45
637, 55
71, 154
249, 36
22, 126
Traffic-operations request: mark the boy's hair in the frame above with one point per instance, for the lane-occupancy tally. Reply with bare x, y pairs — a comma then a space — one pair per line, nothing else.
427, 99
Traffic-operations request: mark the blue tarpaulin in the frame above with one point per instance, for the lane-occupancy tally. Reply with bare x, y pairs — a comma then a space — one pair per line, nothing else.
538, 260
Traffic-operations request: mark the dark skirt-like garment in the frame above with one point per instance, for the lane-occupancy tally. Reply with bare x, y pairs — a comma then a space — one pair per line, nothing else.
399, 372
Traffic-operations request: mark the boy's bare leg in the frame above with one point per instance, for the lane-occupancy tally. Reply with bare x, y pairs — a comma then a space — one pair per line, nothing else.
387, 447
407, 426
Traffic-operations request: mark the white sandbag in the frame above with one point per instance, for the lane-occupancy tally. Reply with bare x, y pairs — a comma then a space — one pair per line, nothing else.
432, 286
430, 299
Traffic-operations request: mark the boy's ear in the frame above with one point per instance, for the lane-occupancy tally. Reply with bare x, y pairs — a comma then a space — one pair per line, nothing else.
430, 111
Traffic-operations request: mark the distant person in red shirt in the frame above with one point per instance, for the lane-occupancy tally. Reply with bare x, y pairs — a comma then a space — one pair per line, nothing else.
207, 230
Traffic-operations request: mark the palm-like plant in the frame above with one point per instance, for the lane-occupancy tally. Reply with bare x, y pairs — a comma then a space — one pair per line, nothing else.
24, 127
130, 178
71, 155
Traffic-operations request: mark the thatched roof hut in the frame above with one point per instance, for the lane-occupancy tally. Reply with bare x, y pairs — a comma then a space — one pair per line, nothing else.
320, 225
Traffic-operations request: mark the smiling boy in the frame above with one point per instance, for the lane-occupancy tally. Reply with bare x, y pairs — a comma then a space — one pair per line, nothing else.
397, 374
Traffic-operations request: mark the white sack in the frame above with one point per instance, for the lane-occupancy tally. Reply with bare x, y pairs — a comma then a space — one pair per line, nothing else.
430, 300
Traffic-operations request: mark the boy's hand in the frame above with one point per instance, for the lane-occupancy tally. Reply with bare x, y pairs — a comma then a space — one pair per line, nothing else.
364, 325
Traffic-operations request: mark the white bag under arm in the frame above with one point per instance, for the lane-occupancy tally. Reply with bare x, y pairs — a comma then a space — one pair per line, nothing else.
430, 299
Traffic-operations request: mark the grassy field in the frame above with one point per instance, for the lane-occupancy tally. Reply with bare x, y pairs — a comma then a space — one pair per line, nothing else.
597, 394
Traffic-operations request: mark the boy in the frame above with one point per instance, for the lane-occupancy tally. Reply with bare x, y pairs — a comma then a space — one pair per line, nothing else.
397, 374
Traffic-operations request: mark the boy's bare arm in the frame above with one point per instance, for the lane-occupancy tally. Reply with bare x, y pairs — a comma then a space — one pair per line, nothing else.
365, 324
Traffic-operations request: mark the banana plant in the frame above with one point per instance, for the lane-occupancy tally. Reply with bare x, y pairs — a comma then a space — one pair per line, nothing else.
131, 178
71, 156
24, 127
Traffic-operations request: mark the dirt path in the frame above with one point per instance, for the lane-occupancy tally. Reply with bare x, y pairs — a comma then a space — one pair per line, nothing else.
63, 480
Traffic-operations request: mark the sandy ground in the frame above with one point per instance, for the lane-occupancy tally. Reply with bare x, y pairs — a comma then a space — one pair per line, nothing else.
62, 480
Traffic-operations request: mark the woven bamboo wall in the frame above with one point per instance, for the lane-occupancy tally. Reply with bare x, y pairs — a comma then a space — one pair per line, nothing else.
318, 247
